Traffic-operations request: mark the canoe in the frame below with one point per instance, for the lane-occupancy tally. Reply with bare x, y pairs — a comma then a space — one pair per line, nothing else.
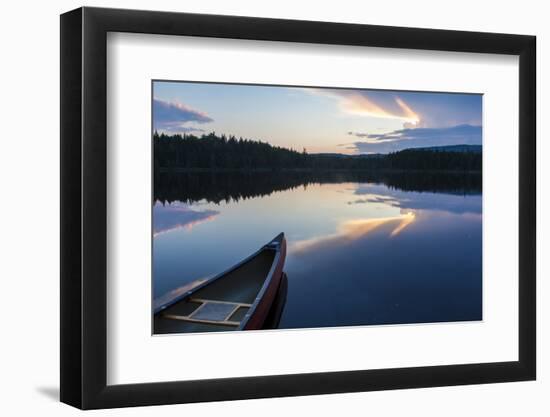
237, 299
274, 317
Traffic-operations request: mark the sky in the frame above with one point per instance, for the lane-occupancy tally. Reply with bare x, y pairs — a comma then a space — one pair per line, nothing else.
320, 120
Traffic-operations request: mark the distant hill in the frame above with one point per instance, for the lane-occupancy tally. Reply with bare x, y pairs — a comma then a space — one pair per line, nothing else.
445, 148
330, 155
345, 155
450, 148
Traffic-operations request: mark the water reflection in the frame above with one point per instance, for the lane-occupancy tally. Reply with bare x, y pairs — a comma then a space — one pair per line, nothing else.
357, 229
452, 202
217, 187
361, 250
177, 216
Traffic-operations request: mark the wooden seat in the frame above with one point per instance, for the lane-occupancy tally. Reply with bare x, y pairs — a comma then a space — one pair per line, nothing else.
213, 312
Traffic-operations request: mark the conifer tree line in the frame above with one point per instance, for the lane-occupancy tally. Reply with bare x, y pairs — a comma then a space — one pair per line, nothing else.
221, 152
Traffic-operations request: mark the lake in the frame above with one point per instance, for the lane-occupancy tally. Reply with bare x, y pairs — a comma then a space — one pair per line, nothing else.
363, 248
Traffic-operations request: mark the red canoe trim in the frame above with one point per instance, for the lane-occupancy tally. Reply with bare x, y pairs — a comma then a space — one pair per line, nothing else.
256, 321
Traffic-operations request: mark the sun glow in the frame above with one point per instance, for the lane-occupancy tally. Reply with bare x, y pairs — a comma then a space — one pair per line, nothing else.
361, 105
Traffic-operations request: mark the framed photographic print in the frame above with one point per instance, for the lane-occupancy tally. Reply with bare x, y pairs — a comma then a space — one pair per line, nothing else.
258, 207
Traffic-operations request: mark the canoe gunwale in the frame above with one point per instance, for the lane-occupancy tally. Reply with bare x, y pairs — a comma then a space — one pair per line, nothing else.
265, 286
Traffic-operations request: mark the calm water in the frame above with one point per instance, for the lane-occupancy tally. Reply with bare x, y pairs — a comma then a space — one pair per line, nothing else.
361, 250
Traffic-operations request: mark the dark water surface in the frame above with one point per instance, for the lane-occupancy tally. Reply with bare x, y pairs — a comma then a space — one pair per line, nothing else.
362, 249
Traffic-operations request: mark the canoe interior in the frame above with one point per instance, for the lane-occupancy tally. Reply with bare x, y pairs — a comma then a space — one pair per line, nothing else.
228, 299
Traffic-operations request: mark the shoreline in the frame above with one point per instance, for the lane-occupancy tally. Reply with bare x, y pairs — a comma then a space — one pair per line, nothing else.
307, 170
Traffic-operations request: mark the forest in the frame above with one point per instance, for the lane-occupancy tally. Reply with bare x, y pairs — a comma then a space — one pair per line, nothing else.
227, 153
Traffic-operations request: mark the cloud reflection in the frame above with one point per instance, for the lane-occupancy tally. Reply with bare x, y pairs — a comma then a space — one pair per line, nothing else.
178, 216
457, 203
352, 230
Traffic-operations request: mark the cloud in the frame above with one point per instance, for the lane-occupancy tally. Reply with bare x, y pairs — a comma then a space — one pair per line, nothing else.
413, 120
377, 138
385, 105
412, 109
347, 146
174, 117
179, 128
417, 138
359, 134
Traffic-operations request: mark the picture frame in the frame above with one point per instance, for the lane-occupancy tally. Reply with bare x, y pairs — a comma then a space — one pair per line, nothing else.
84, 220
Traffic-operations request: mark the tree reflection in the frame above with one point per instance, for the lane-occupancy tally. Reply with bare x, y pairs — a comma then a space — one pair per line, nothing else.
217, 187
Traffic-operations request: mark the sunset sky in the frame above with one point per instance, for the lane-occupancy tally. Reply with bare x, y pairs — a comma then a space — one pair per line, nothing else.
350, 121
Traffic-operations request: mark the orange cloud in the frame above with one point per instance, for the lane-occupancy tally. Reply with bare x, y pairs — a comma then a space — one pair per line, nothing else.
359, 102
413, 119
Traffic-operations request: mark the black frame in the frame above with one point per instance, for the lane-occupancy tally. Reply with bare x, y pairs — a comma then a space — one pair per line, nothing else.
84, 207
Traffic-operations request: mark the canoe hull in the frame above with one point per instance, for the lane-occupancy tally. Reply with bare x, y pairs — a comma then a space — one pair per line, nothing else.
257, 320
273, 319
